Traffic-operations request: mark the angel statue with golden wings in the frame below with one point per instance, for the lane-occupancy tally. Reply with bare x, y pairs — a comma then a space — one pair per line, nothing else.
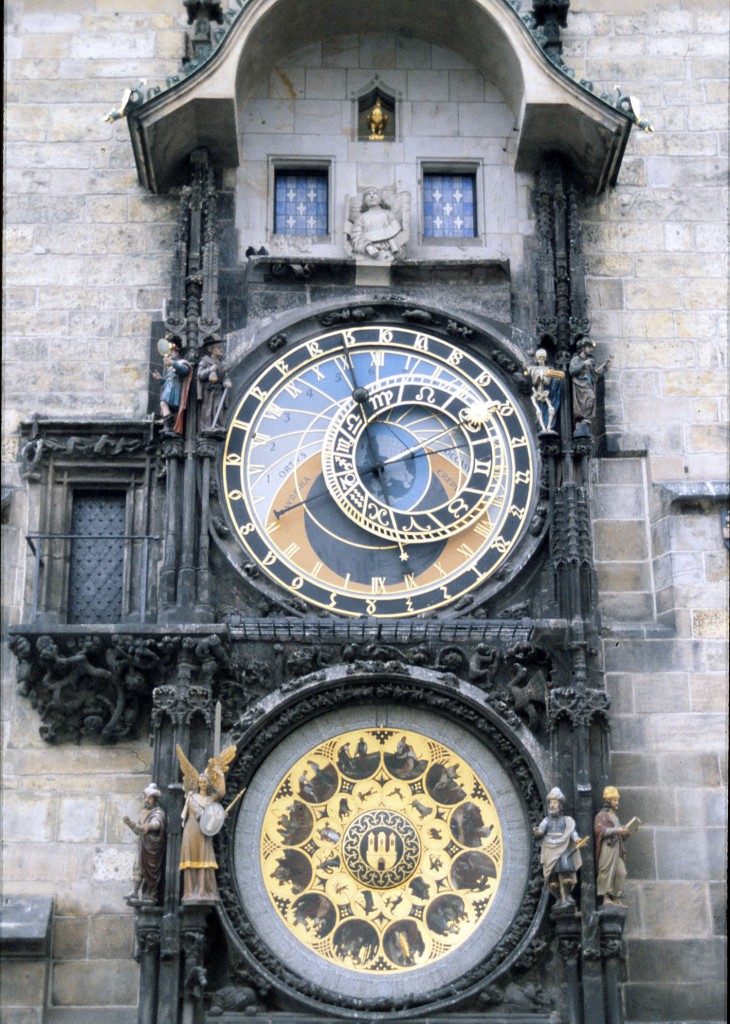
197, 856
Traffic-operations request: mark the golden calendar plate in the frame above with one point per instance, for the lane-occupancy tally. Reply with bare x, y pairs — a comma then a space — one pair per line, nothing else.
381, 850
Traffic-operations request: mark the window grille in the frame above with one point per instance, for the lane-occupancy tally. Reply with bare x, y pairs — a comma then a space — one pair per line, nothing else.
301, 202
96, 571
449, 206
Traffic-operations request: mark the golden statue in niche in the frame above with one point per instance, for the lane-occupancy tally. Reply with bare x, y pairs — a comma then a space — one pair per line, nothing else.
377, 122
381, 850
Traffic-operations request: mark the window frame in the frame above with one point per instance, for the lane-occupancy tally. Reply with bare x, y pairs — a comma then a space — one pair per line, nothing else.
303, 165
471, 168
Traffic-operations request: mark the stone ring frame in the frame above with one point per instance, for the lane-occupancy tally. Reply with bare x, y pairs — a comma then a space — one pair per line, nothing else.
350, 697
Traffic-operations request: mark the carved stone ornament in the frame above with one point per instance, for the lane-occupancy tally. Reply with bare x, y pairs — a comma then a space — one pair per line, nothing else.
377, 225
275, 890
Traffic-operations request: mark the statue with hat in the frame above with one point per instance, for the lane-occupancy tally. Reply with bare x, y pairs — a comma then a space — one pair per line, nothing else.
150, 827
175, 386
584, 376
202, 818
560, 850
609, 835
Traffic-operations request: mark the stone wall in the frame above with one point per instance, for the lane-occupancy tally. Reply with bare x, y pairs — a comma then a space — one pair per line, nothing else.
86, 270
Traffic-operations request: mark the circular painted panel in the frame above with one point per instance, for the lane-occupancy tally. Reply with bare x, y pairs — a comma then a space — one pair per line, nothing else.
381, 842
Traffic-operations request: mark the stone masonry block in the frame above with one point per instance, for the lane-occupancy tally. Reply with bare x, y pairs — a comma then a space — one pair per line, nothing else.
705, 806
634, 769
690, 769
46, 862
627, 607
709, 692
694, 960
623, 540
654, 808
23, 982
95, 983
70, 938
81, 820
676, 911
683, 854
111, 936
671, 690
28, 818
623, 576
697, 1002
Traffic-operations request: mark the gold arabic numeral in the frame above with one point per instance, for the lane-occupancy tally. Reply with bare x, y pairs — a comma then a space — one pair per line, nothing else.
523, 477
377, 584
258, 393
333, 600
484, 379
409, 604
386, 336
233, 460
505, 408
500, 544
260, 439
291, 550
445, 592
349, 338
421, 343
465, 550
235, 495
273, 412
518, 442
410, 581
244, 530
297, 583
372, 606
314, 349
455, 357
515, 510
282, 367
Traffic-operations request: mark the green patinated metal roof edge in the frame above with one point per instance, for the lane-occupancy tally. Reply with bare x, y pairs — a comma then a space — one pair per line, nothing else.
142, 94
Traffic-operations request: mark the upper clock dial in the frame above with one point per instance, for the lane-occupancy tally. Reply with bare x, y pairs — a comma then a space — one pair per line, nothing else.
379, 471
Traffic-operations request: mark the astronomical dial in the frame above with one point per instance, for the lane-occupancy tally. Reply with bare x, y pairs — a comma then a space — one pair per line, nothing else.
379, 471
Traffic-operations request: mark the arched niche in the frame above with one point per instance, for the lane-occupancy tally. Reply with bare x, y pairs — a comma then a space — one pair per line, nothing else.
552, 112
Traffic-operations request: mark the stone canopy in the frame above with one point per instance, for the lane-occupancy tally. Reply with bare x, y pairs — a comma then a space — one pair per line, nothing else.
204, 109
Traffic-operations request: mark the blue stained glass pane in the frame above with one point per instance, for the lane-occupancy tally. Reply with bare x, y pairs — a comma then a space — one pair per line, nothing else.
449, 209
300, 203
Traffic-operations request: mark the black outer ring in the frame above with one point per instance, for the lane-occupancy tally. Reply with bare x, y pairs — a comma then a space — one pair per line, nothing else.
357, 684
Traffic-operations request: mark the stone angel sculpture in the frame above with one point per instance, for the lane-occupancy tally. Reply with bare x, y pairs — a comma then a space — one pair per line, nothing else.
376, 224
202, 817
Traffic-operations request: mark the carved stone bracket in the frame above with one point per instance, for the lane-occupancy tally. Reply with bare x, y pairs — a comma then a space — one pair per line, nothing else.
100, 685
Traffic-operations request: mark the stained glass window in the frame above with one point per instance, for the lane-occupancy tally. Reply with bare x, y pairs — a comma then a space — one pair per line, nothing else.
449, 208
300, 203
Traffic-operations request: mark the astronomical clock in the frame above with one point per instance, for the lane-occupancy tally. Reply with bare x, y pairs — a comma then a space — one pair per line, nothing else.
378, 479
378, 470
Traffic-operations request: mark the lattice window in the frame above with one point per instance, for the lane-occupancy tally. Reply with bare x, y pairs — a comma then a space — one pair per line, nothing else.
301, 200
96, 570
449, 205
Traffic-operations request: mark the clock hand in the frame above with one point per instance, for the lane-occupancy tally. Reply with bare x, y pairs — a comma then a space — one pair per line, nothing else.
478, 413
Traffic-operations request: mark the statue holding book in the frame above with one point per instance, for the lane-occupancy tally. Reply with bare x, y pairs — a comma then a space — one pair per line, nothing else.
609, 835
